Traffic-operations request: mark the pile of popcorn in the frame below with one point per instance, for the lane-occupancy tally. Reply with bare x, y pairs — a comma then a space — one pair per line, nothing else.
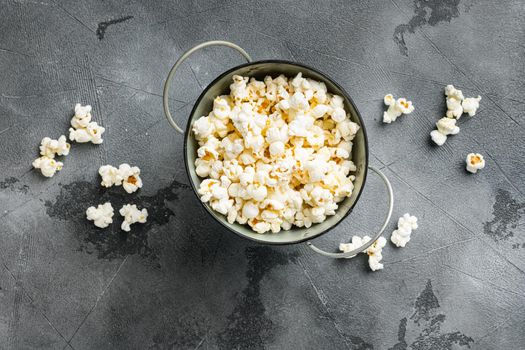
275, 153
457, 104
129, 178
83, 130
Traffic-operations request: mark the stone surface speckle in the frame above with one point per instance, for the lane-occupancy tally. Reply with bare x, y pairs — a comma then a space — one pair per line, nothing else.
181, 281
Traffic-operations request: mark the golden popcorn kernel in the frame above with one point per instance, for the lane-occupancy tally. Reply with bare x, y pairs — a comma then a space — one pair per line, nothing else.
475, 160
132, 180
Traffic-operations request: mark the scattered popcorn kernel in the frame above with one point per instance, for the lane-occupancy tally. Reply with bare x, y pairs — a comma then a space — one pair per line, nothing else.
132, 215
50, 147
131, 180
405, 225
454, 99
374, 252
471, 105
79, 135
102, 215
475, 162
396, 108
48, 166
447, 126
110, 176
438, 138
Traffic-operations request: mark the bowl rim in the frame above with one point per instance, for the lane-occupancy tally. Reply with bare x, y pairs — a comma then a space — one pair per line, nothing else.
300, 65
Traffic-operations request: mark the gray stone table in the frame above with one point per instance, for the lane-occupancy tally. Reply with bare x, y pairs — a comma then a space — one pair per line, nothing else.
181, 281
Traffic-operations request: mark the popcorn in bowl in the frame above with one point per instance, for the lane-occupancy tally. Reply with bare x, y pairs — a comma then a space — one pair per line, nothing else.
275, 153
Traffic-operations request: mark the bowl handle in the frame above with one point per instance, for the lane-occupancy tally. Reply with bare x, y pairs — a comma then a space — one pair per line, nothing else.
179, 62
376, 236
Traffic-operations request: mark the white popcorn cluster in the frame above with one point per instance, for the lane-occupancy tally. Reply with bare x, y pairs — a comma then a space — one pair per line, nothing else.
132, 215
125, 175
374, 252
405, 225
457, 104
83, 129
396, 108
275, 153
475, 162
48, 149
102, 215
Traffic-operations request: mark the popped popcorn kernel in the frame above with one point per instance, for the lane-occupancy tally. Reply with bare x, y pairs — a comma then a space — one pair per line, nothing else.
110, 176
102, 215
276, 153
405, 225
132, 215
475, 162
445, 126
374, 251
438, 138
47, 166
49, 147
396, 108
471, 105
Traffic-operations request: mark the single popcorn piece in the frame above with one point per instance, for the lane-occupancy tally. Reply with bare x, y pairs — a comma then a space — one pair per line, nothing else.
131, 180
405, 225
132, 215
438, 138
445, 126
110, 176
454, 99
374, 252
102, 215
471, 105
396, 108
475, 162
50, 147
275, 153
48, 166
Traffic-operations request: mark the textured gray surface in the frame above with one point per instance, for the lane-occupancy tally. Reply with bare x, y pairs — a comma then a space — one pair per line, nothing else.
181, 281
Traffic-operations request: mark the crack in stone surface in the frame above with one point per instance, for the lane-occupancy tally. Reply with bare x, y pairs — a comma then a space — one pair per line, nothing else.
74, 198
102, 26
428, 321
426, 12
